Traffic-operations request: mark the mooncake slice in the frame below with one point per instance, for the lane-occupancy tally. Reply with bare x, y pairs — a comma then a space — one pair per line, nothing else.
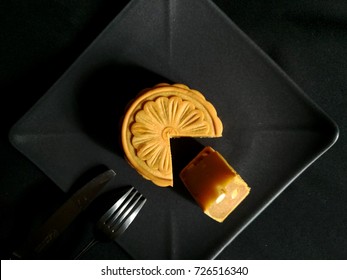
215, 185
158, 114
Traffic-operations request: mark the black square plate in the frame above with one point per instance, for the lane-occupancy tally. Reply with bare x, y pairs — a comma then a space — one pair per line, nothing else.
272, 130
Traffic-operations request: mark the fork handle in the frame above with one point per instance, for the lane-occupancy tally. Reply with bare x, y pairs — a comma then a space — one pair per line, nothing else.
86, 248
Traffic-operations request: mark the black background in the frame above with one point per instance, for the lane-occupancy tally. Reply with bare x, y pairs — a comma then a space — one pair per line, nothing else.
40, 39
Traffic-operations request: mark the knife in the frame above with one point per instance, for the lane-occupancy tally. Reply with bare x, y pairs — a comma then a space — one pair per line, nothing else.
39, 242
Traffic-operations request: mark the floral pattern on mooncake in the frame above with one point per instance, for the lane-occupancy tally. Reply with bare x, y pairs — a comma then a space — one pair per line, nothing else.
157, 122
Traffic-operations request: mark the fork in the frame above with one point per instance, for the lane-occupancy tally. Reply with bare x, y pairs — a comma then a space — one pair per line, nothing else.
117, 219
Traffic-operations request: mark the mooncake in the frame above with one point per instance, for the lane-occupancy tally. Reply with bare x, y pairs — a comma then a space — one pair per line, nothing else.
154, 117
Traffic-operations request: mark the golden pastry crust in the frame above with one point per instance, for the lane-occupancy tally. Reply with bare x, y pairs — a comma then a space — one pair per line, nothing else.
158, 114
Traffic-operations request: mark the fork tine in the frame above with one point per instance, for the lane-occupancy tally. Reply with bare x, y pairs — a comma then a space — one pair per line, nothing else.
127, 218
113, 209
126, 205
117, 212
122, 213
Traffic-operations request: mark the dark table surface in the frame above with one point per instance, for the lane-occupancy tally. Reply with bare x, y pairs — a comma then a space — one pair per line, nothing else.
307, 39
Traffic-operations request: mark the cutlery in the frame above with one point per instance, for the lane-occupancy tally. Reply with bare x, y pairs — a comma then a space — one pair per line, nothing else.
40, 241
117, 219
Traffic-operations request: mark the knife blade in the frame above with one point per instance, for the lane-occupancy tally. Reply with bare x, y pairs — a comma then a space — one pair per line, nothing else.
39, 242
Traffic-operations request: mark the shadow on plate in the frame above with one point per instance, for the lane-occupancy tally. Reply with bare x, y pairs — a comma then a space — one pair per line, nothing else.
183, 151
103, 97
